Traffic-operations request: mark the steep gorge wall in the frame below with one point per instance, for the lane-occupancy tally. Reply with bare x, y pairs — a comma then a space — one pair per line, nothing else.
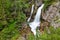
52, 14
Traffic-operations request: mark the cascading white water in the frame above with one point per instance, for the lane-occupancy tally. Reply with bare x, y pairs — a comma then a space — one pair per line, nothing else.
33, 25
31, 13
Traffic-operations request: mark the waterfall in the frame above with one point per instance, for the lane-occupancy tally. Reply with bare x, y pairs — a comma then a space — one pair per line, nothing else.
37, 17
33, 25
32, 9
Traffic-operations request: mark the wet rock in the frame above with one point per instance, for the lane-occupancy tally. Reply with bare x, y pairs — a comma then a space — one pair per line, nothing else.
37, 3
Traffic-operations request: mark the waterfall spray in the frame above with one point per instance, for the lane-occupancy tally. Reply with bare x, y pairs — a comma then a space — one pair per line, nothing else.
33, 25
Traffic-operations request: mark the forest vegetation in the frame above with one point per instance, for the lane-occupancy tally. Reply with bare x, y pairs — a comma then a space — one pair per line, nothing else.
13, 16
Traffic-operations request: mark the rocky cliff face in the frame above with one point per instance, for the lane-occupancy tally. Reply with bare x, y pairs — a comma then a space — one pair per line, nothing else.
52, 15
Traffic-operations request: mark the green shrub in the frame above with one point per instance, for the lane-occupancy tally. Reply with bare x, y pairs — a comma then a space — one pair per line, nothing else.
48, 3
11, 15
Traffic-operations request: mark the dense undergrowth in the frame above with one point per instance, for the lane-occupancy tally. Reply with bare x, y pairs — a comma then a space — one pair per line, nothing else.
48, 3
11, 18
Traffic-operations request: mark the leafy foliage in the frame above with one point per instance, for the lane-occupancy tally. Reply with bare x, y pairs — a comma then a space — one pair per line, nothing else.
48, 3
11, 17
